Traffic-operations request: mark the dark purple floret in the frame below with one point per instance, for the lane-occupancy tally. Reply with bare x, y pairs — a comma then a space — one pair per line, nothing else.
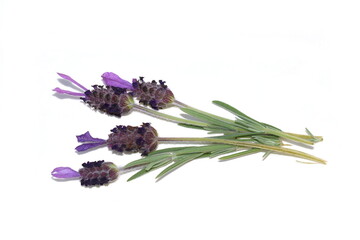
153, 104
93, 164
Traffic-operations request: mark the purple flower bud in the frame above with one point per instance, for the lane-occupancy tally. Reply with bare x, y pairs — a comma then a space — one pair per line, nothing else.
98, 173
111, 79
65, 173
158, 96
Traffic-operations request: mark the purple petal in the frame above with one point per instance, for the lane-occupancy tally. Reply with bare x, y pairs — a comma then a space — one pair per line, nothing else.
65, 172
87, 146
72, 80
86, 137
111, 79
59, 90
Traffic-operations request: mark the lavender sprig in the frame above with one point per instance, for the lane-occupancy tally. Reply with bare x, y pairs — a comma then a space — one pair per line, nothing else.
115, 100
96, 173
145, 139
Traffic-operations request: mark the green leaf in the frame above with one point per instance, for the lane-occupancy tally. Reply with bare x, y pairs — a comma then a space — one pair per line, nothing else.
266, 155
166, 150
148, 159
240, 154
217, 121
144, 171
202, 149
236, 135
309, 133
190, 126
222, 152
178, 163
268, 140
236, 112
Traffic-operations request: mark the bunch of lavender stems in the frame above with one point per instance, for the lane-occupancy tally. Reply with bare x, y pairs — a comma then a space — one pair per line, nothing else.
248, 127
240, 137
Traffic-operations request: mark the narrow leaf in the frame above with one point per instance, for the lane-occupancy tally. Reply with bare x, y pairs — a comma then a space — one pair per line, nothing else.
222, 152
190, 126
236, 112
209, 119
148, 159
144, 171
202, 149
166, 150
240, 154
178, 163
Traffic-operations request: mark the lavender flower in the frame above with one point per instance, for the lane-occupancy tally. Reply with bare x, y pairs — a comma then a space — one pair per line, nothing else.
98, 173
128, 139
92, 174
157, 95
110, 99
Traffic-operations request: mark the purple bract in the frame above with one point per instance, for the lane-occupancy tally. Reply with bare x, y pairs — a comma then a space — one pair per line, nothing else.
112, 79
64, 173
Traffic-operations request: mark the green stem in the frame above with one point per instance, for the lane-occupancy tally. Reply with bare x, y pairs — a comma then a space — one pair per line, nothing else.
167, 117
290, 136
315, 138
285, 135
282, 150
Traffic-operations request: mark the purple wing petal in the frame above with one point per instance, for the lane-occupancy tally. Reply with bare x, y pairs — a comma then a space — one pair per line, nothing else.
112, 79
87, 146
65, 172
59, 90
72, 80
86, 137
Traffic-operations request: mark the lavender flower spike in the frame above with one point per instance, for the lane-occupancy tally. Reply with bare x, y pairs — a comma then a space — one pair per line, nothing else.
112, 100
96, 173
112, 79
65, 173
90, 142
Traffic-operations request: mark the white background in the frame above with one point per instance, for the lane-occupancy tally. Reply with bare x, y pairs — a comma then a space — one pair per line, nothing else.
294, 64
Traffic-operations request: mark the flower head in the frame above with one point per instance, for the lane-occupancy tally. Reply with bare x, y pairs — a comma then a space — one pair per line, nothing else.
128, 139
92, 174
98, 173
157, 95
110, 99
